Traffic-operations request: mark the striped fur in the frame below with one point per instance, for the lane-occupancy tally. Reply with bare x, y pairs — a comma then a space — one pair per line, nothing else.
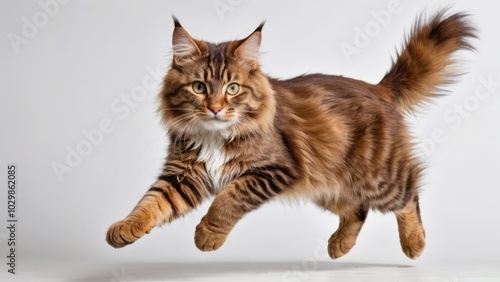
339, 142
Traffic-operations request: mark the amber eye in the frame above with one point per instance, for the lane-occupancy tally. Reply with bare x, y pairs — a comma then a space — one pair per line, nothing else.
233, 88
199, 87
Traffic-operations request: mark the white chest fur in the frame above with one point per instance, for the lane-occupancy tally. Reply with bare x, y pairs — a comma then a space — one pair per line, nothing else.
212, 153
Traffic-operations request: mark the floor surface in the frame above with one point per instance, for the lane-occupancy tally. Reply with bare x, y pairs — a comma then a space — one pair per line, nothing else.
240, 271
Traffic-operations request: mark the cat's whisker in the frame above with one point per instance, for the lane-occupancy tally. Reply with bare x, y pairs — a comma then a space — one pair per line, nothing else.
184, 119
247, 111
177, 109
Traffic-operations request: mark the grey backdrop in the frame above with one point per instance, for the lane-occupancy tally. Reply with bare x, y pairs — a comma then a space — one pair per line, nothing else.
70, 68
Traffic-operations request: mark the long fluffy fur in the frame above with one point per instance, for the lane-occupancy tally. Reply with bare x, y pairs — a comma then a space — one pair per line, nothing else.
338, 142
426, 62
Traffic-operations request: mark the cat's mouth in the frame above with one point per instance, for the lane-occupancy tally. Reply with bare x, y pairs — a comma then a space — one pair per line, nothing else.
216, 118
223, 115
219, 118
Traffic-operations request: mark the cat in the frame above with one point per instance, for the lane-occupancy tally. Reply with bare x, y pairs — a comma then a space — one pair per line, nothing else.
246, 138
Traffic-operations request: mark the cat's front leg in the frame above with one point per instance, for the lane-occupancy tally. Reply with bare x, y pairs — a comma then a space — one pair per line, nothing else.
241, 196
169, 198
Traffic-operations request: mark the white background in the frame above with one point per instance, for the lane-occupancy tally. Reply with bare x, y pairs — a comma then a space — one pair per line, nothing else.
75, 68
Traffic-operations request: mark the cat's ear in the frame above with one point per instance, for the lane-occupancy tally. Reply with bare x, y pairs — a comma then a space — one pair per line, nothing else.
184, 47
248, 50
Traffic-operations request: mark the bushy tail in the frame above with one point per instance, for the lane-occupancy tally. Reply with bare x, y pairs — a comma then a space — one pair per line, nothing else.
424, 63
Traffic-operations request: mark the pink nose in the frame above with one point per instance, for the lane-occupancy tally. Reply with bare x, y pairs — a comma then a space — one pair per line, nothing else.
215, 109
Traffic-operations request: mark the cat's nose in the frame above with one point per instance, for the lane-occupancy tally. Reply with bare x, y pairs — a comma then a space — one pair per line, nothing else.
215, 109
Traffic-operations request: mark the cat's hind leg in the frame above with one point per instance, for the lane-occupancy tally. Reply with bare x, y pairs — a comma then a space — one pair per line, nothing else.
411, 230
352, 218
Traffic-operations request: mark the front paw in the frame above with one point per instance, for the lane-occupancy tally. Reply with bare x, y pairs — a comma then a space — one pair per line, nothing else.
207, 239
126, 232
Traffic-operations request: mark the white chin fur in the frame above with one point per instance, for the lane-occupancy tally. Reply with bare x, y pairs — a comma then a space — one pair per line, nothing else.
215, 125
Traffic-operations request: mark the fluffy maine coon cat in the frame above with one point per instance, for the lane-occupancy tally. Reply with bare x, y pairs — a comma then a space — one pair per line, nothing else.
246, 138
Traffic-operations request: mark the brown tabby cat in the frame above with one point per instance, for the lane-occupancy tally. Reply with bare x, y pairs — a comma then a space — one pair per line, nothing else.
246, 138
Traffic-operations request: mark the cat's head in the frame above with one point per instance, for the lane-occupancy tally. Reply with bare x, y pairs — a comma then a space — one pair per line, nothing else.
216, 87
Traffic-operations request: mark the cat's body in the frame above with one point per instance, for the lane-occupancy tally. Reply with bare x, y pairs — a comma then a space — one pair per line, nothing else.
348, 140
245, 138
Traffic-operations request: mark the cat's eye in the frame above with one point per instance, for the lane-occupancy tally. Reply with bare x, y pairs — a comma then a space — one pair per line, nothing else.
233, 89
199, 87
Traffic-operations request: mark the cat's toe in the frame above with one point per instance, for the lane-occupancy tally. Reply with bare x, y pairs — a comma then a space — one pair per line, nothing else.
339, 245
207, 240
124, 233
414, 245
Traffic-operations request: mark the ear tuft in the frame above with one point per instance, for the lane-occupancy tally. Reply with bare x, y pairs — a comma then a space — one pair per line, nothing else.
176, 21
260, 27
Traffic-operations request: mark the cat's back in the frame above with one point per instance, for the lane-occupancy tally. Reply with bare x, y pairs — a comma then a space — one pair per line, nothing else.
336, 95
328, 119
331, 88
